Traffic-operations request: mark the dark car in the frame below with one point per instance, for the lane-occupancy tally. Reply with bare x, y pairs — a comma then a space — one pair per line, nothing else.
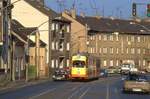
103, 73
60, 74
136, 83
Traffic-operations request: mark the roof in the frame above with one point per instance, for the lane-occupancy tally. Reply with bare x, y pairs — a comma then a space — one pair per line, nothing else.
36, 4
47, 11
113, 25
23, 32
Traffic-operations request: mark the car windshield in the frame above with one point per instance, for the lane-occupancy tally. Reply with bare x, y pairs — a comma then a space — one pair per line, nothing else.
59, 72
78, 63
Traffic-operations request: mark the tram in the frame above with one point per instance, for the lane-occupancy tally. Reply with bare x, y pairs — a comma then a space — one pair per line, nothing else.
84, 66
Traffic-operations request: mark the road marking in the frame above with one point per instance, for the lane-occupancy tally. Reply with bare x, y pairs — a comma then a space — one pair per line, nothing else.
74, 93
84, 93
107, 91
33, 97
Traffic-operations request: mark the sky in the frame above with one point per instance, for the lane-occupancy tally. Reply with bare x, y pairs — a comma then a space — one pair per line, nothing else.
106, 8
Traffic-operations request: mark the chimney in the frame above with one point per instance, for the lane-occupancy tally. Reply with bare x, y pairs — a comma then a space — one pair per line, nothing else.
98, 17
73, 13
82, 14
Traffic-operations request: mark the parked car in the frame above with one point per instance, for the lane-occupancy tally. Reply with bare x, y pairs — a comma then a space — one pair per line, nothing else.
103, 73
136, 83
60, 74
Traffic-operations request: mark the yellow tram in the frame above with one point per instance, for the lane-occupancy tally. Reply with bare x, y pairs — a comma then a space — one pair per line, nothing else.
84, 66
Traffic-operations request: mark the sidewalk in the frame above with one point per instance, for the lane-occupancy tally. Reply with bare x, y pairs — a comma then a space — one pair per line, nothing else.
20, 84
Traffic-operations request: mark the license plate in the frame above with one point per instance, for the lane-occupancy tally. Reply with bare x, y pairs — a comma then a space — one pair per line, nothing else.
136, 89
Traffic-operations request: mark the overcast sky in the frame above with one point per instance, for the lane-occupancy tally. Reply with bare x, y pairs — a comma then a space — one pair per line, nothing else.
106, 8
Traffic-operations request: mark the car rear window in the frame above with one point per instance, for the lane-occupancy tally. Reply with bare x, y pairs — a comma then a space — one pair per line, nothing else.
137, 78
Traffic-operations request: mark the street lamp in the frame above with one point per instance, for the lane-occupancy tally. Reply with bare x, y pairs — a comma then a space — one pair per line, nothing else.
140, 25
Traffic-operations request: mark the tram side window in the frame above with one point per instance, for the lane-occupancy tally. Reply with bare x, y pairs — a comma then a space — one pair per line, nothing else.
78, 64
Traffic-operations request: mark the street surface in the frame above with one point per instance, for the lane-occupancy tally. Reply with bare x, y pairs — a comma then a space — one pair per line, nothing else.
104, 88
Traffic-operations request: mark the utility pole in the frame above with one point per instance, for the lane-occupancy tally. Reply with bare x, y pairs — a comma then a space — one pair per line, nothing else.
37, 53
6, 31
50, 52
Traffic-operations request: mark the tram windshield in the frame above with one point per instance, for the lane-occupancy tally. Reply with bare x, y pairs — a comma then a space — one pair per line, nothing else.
78, 63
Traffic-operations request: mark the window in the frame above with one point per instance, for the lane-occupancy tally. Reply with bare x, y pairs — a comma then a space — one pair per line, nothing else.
53, 26
111, 62
105, 63
111, 37
56, 63
144, 62
111, 50
91, 50
117, 50
138, 39
144, 51
117, 63
53, 63
105, 50
139, 63
132, 50
100, 37
100, 50
67, 62
127, 50
57, 26
61, 46
68, 28
93, 37
127, 38
105, 37
53, 46
56, 45
132, 38
68, 46
117, 38
138, 50
144, 39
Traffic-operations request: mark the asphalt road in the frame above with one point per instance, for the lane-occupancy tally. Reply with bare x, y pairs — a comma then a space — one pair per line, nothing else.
104, 88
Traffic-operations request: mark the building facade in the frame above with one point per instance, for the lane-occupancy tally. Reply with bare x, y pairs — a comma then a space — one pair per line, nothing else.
61, 29
115, 41
32, 13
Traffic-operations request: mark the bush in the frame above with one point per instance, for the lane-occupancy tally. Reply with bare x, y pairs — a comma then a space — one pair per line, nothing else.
32, 72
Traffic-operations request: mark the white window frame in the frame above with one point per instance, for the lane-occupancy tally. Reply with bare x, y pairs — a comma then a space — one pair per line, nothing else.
117, 50
68, 46
53, 63
68, 28
105, 50
53, 45
111, 50
138, 51
105, 63
111, 37
111, 63
100, 37
53, 26
138, 39
68, 62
